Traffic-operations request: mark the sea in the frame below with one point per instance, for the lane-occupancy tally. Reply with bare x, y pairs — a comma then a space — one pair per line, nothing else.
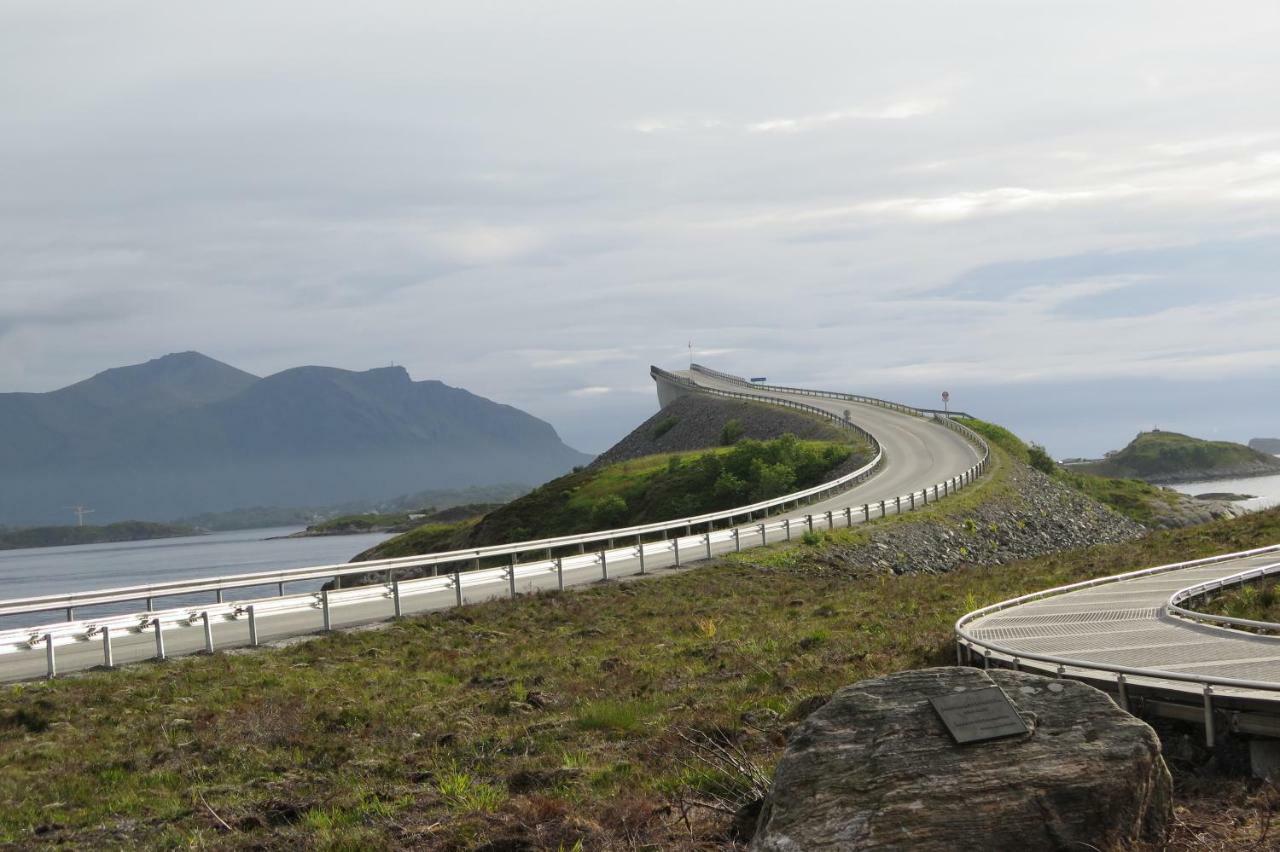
1264, 491
84, 567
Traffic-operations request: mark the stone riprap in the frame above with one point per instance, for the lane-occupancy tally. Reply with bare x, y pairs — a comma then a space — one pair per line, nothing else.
874, 768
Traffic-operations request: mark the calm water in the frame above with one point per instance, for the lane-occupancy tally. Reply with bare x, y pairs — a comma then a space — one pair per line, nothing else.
53, 570
1265, 489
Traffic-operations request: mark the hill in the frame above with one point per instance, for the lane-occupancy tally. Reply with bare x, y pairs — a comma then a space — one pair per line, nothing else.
1271, 446
185, 434
645, 478
1173, 457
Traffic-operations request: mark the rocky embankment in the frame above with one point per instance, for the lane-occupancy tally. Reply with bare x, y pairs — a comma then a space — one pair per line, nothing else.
1181, 510
1035, 516
695, 422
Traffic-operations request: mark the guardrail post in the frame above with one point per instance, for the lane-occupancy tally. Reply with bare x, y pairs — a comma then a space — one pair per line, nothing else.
737, 540
866, 512
897, 504
924, 496
395, 598
511, 575
560, 573
107, 659
1122, 692
155, 622
280, 589
1017, 664
253, 625
808, 519
640, 552
604, 565
935, 493
708, 537
882, 512
208, 632
787, 524
48, 654
764, 538
1062, 672
218, 596
848, 516
71, 613
150, 604
675, 547
912, 495
1208, 715
457, 584
831, 521
324, 608
986, 658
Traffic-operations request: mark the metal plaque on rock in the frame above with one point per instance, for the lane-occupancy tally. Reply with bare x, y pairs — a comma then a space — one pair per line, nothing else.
979, 714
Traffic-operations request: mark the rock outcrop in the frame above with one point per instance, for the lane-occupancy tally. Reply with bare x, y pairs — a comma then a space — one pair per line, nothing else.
874, 768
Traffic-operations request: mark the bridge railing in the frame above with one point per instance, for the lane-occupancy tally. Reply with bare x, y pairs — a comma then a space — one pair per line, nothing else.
537, 560
850, 397
975, 647
1200, 590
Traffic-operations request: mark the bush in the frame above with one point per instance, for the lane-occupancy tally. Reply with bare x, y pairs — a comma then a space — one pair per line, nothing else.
1039, 458
731, 433
609, 511
664, 426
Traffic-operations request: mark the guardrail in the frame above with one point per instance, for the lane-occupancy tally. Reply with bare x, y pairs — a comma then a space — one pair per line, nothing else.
1174, 606
456, 580
969, 645
851, 397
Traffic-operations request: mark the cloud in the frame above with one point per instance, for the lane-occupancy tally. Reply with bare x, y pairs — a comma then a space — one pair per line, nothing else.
590, 391
896, 111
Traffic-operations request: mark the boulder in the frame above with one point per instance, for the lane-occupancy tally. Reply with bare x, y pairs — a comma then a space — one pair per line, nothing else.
874, 768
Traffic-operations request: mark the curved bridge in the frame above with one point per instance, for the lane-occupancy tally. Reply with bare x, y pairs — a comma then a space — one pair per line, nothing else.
1130, 635
919, 456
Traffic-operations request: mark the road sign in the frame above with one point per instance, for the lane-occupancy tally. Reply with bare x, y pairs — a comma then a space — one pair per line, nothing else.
946, 398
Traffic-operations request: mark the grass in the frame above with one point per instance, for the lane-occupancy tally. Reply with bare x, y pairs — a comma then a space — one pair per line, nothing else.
553, 720
1137, 500
652, 488
1155, 455
1258, 600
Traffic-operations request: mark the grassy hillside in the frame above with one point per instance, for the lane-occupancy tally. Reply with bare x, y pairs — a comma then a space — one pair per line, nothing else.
578, 720
644, 490
1168, 456
1140, 501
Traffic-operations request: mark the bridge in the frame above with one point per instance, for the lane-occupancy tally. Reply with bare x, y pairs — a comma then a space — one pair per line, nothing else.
918, 456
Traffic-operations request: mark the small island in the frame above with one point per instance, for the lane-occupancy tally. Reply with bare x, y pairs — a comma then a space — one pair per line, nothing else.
16, 539
1160, 457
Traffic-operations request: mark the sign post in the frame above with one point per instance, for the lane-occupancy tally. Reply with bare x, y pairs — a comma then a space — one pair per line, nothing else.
946, 400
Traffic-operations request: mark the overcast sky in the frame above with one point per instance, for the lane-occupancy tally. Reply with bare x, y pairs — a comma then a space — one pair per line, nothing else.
1042, 207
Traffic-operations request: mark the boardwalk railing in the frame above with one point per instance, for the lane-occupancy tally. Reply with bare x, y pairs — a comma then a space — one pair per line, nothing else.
971, 648
524, 560
1201, 590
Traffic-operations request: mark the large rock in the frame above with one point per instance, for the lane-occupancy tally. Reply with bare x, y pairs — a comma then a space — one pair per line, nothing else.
874, 768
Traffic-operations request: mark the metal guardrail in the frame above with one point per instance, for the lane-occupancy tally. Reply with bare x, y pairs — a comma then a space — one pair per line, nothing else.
966, 642
394, 589
865, 400
1190, 593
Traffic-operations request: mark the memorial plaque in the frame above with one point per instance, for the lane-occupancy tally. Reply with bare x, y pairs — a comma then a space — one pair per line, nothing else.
979, 714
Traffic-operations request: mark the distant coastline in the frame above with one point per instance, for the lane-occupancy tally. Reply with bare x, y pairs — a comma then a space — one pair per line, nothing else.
63, 536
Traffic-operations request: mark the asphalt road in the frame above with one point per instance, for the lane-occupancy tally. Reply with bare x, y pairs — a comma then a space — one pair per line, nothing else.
919, 453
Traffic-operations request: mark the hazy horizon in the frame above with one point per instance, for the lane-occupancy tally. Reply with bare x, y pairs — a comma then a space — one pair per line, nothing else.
1064, 214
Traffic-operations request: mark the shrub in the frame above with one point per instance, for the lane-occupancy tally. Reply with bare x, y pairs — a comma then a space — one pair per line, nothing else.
664, 426
609, 511
1039, 458
731, 433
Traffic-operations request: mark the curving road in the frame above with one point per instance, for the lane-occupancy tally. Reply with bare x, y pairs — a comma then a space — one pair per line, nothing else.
919, 452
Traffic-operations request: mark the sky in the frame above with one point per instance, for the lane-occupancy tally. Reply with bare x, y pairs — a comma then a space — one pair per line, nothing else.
1066, 214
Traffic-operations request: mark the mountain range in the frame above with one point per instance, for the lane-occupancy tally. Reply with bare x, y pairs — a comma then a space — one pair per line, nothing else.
185, 434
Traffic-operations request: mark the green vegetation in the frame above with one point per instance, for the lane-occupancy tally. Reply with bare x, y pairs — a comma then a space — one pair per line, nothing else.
731, 433
1133, 498
372, 522
1170, 455
653, 488
1257, 601
548, 722
664, 426
61, 536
